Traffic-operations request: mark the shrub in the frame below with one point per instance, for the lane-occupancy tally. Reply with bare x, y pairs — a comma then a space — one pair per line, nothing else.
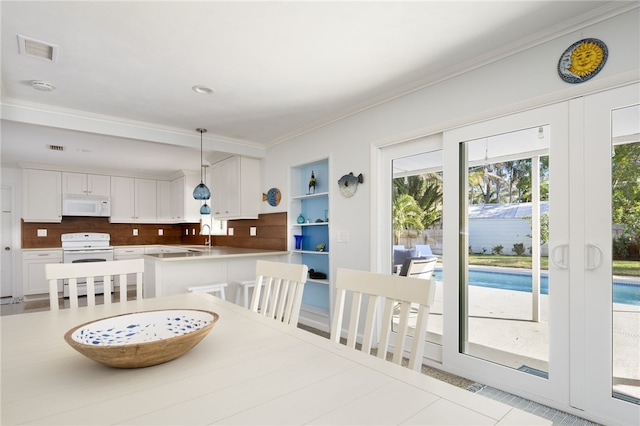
518, 249
620, 247
497, 249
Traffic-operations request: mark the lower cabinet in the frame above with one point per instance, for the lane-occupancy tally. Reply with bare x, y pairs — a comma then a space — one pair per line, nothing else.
33, 276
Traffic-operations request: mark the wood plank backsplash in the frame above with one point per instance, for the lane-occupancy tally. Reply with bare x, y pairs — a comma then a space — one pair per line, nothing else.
271, 232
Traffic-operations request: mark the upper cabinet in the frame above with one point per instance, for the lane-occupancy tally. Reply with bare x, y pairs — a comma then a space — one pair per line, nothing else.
163, 201
85, 184
133, 200
235, 188
184, 208
42, 196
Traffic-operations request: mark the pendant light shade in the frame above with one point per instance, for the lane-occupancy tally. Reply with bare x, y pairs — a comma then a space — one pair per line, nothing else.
201, 192
205, 209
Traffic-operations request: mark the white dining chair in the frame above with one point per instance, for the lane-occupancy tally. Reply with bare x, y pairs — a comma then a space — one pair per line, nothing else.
216, 289
397, 293
278, 290
117, 269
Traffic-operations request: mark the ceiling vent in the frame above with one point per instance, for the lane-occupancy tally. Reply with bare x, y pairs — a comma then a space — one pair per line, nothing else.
56, 147
37, 49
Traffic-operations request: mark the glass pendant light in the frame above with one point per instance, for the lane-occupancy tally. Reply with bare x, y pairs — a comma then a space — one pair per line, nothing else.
205, 209
201, 192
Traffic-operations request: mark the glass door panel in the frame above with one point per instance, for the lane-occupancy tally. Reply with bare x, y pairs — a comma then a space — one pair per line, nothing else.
505, 275
625, 262
417, 225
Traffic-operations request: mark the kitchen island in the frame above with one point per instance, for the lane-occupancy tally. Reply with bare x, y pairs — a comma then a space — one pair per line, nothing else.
174, 273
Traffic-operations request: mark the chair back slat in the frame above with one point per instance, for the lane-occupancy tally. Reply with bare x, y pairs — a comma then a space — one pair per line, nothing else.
395, 295
89, 271
278, 290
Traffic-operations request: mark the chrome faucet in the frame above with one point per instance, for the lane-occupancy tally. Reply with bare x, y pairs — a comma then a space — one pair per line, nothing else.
208, 240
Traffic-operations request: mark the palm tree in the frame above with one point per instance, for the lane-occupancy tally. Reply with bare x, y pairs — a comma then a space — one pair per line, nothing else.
407, 215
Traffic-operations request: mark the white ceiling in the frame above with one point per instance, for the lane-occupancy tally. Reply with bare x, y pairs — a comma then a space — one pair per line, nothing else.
125, 69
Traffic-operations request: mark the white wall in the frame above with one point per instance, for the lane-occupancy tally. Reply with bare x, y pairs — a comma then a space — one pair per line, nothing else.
521, 81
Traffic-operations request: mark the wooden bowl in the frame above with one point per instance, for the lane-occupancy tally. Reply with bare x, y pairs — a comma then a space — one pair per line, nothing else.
141, 339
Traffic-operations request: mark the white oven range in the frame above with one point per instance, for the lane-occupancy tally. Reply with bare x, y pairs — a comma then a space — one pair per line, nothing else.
86, 247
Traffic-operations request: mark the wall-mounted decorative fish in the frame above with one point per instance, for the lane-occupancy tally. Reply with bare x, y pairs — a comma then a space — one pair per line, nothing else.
349, 183
273, 197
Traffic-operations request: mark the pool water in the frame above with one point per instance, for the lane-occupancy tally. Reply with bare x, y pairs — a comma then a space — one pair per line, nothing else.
622, 292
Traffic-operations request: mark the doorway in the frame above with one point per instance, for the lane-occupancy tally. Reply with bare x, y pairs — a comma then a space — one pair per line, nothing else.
6, 206
534, 235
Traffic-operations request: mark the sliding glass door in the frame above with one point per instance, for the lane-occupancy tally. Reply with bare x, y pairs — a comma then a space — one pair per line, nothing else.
540, 291
509, 177
608, 287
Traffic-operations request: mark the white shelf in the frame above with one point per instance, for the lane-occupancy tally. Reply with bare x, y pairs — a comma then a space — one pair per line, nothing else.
307, 196
325, 282
310, 252
311, 224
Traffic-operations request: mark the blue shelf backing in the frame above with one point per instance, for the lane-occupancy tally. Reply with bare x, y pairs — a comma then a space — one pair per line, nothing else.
320, 171
317, 263
314, 209
316, 295
314, 235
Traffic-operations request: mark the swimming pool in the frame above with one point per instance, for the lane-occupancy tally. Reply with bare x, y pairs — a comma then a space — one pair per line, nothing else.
627, 293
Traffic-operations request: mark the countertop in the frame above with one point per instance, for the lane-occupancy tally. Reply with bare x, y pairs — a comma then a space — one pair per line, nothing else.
215, 252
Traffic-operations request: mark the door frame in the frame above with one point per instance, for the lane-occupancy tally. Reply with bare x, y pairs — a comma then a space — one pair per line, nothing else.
553, 391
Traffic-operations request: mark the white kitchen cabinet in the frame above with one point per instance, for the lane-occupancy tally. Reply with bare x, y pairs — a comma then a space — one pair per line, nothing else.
235, 188
85, 184
42, 196
145, 201
163, 201
184, 209
133, 200
33, 276
122, 253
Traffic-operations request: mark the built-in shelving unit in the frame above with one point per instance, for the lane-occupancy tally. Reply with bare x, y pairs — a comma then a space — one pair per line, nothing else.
309, 218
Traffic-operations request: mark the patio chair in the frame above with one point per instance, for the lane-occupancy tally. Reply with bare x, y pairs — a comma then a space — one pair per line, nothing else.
424, 250
278, 290
400, 254
397, 294
90, 271
418, 267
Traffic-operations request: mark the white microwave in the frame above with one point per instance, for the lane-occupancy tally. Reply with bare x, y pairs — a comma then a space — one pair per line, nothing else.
86, 205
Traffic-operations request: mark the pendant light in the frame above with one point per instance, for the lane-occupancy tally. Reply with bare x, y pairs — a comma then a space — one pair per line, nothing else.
205, 209
201, 192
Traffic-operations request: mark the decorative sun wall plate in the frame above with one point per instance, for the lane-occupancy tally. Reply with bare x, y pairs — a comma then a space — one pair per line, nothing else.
582, 60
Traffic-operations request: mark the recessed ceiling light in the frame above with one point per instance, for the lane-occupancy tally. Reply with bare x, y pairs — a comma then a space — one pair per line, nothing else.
203, 90
43, 86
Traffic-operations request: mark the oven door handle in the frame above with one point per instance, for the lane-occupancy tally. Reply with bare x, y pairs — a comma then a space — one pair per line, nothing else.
88, 260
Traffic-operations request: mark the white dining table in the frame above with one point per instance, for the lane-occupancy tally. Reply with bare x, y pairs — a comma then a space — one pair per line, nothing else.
248, 370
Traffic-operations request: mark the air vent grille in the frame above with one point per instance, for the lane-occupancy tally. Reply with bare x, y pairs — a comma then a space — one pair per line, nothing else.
37, 49
56, 147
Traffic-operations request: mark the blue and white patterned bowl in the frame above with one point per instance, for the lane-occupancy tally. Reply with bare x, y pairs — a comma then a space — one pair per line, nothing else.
141, 339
